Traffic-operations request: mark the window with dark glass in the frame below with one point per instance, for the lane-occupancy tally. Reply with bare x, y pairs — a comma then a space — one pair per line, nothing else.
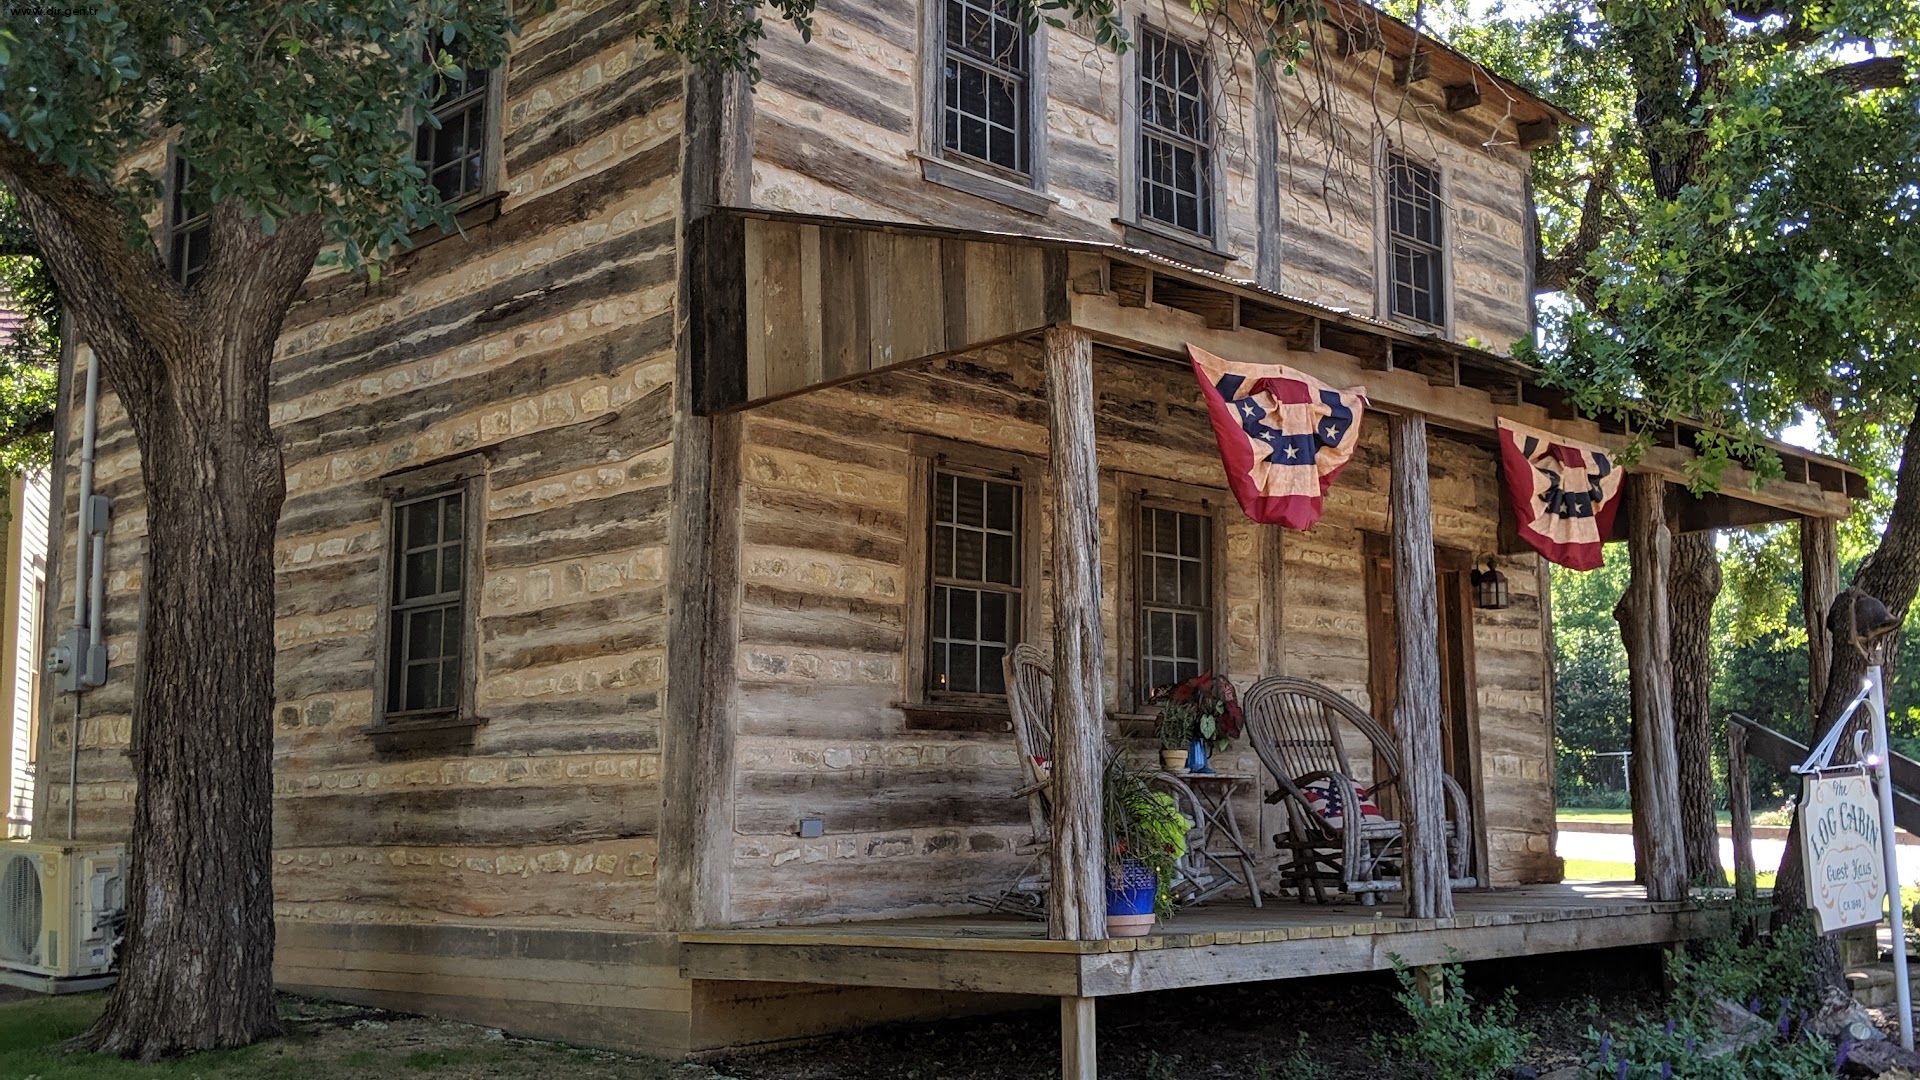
975, 570
1176, 135
191, 226
1415, 287
1173, 598
427, 618
451, 144
988, 69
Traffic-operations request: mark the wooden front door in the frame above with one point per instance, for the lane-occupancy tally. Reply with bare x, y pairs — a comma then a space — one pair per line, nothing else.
1459, 734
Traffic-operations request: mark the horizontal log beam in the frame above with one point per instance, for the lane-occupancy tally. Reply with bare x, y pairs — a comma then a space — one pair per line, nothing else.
1164, 332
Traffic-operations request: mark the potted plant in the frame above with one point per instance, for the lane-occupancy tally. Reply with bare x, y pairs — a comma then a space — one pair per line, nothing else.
1146, 837
1175, 728
1216, 717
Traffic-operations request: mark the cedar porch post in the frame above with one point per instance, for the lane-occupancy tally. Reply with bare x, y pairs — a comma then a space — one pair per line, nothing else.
1417, 714
1646, 629
1819, 584
1077, 900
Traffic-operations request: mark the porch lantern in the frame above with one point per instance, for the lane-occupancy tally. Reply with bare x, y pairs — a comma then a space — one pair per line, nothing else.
1489, 588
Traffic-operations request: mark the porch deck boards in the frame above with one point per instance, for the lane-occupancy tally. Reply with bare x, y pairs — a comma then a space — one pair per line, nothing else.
1219, 943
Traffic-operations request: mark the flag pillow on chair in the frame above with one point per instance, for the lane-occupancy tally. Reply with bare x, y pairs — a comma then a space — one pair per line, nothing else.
1283, 435
1326, 800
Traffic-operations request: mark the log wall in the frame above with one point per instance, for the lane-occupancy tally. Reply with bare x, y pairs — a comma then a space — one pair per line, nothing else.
544, 340
837, 130
916, 818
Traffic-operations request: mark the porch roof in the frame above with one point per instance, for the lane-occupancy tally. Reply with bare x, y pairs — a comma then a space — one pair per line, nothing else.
795, 302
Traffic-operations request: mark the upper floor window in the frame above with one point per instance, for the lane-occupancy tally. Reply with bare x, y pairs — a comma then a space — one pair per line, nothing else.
987, 79
975, 581
189, 223
1176, 134
451, 145
1416, 288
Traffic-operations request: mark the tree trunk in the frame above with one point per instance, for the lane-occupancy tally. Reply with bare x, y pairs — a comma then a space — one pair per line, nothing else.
1416, 720
1819, 584
1077, 900
1696, 582
1646, 629
197, 970
191, 369
1892, 575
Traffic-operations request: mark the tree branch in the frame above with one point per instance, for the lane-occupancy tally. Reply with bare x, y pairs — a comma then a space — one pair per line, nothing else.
1873, 73
1566, 270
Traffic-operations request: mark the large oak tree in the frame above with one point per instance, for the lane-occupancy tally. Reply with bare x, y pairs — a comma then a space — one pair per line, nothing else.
297, 118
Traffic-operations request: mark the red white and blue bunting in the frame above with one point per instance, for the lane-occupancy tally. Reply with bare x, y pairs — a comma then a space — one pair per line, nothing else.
1283, 435
1564, 493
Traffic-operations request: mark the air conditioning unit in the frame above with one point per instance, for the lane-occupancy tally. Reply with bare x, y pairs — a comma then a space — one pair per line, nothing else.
62, 906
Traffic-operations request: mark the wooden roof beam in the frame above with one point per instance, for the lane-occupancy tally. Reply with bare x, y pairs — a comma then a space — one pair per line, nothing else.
1219, 307
1463, 96
1534, 134
1412, 68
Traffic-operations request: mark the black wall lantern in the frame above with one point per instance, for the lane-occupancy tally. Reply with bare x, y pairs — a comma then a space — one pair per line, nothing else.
1490, 588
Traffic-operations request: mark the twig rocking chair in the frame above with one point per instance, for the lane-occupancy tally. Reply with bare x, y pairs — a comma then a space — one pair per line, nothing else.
1332, 833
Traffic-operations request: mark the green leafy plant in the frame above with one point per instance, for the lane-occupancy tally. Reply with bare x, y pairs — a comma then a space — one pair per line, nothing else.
1143, 825
1175, 725
1450, 1038
1679, 1051
1211, 707
1776, 969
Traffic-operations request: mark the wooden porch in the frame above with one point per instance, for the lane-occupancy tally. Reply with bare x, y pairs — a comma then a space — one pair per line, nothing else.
1220, 943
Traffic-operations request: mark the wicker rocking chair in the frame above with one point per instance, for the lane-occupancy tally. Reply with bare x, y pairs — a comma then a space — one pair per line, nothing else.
1295, 728
1030, 701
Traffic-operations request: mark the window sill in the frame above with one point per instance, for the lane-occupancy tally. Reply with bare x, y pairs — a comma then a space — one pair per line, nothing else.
984, 185
955, 717
471, 214
1188, 248
436, 733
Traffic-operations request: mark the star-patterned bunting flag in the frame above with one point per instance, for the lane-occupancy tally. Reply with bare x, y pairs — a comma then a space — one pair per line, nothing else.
1283, 435
1563, 493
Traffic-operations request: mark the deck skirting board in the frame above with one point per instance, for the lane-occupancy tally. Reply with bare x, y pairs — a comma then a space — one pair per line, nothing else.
1203, 948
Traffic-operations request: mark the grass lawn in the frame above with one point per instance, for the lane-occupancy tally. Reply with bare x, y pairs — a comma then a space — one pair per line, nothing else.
1601, 870
321, 1041
1622, 817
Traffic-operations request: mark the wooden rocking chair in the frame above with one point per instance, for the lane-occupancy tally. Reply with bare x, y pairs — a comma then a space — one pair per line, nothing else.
1030, 701
1295, 728
1029, 679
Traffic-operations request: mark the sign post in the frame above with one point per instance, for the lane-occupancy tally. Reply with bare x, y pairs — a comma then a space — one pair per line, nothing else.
1846, 835
1883, 778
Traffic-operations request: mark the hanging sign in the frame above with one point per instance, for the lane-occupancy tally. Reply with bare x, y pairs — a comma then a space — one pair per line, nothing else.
1563, 493
1283, 435
1840, 846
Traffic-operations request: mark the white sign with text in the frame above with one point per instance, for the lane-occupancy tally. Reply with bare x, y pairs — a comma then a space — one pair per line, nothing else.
1841, 847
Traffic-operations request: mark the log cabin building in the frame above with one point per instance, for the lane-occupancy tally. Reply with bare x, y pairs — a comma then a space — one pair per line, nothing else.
629, 691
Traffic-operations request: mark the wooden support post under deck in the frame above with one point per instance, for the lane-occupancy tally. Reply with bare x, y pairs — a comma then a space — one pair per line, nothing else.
1424, 871
1077, 1041
1077, 899
1740, 810
1819, 584
1646, 628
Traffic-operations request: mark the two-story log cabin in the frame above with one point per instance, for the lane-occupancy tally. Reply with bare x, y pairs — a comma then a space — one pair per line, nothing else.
606, 559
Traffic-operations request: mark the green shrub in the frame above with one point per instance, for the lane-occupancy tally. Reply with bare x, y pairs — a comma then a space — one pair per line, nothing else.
1763, 972
1450, 1039
1676, 1052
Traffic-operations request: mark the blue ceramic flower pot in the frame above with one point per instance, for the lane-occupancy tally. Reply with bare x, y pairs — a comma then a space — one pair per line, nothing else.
1197, 757
1130, 900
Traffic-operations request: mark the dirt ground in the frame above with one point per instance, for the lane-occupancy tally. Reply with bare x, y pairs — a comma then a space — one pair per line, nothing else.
1325, 1029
